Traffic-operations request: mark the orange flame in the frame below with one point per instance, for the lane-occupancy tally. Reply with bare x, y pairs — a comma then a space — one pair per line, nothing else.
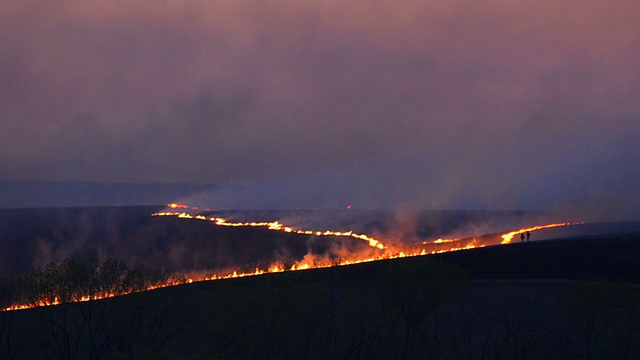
385, 252
506, 238
275, 226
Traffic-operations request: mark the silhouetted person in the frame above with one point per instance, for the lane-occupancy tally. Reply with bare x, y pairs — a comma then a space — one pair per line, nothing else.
528, 235
521, 237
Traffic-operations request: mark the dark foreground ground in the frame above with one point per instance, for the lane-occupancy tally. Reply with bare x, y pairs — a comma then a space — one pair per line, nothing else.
572, 298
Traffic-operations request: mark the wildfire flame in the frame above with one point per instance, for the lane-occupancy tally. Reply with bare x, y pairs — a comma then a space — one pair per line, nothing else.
384, 252
275, 226
506, 238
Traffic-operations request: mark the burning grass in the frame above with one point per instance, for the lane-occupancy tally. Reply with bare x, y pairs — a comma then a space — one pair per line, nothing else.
79, 280
82, 280
413, 307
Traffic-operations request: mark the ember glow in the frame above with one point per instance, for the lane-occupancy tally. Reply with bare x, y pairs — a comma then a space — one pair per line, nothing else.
381, 251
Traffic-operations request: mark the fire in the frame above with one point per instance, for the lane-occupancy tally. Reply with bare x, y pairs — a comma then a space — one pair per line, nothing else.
275, 226
178, 206
506, 238
383, 251
440, 241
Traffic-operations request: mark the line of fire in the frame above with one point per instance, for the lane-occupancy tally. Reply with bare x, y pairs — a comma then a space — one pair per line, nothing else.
383, 251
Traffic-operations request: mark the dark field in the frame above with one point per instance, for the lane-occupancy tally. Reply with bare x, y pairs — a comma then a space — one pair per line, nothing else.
575, 298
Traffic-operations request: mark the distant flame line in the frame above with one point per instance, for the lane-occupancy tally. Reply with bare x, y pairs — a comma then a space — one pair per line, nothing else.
277, 267
276, 226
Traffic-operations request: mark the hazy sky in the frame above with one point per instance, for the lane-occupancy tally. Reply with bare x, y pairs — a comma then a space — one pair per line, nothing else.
444, 103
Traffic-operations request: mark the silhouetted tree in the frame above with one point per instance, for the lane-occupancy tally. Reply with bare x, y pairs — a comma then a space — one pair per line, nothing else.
602, 321
413, 290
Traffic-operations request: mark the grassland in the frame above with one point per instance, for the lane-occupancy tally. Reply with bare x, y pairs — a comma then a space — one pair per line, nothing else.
566, 298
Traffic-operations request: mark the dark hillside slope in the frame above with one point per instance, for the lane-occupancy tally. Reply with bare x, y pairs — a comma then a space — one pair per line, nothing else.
405, 308
606, 257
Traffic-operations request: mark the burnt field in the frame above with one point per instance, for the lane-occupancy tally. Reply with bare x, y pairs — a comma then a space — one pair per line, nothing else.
570, 297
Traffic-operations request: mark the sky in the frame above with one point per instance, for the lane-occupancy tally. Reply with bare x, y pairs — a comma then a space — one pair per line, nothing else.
432, 104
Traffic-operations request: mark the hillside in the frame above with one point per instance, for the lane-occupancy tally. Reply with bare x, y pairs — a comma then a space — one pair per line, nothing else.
411, 308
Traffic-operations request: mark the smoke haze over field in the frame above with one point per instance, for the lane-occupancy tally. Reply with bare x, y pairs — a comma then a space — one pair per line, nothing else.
432, 104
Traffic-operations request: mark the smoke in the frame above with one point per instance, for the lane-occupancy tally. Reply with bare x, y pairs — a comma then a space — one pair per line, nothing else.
67, 234
196, 247
199, 248
393, 109
429, 105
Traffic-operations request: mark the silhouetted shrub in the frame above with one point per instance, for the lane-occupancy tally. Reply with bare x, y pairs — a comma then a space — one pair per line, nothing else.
75, 280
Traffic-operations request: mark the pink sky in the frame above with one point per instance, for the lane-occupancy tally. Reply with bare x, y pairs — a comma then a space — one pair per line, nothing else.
445, 103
